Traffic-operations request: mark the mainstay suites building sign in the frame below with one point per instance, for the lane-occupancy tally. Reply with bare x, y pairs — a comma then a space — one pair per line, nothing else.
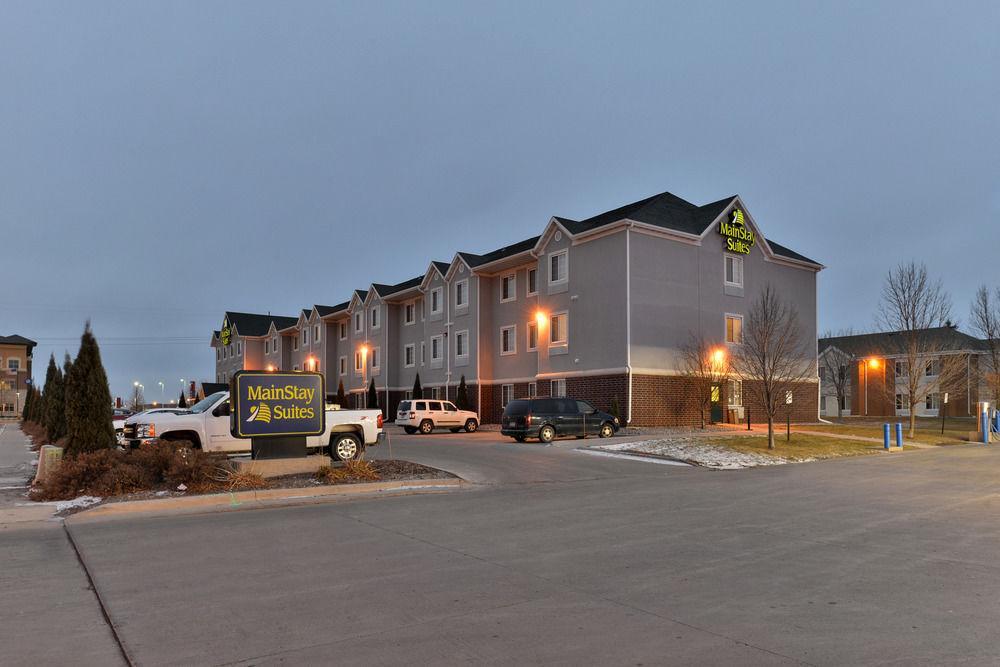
268, 404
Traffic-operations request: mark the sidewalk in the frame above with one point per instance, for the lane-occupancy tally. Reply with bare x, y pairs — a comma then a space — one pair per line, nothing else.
16, 470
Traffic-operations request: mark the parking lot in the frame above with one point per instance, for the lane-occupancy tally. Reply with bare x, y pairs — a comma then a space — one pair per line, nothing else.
559, 557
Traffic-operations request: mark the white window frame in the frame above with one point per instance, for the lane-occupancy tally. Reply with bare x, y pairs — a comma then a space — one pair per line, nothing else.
409, 313
316, 335
343, 366
506, 394
527, 280
512, 293
359, 321
565, 277
531, 326
218, 354
410, 350
295, 343
305, 335
440, 348
423, 353
512, 338
274, 344
464, 334
375, 359
932, 369
735, 389
342, 330
737, 270
358, 362
901, 369
464, 285
436, 294
564, 341
725, 328
239, 348
532, 389
932, 402
375, 317
14, 364
557, 393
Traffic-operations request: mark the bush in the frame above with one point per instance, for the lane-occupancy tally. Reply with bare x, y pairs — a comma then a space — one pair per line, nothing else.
361, 469
331, 475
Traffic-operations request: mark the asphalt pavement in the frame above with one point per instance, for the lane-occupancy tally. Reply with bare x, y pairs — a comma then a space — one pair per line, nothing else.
557, 557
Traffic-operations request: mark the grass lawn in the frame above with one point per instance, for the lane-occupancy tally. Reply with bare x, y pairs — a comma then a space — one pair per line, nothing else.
928, 430
801, 447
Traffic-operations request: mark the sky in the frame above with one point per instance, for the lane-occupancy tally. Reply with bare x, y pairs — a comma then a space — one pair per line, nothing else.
161, 163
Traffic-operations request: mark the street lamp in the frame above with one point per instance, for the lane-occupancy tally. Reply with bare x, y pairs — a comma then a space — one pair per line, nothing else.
162, 394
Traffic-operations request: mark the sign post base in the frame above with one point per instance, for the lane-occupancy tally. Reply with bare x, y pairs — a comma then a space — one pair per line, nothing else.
290, 447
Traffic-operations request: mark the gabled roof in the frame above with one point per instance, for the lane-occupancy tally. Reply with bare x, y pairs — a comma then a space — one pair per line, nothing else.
475, 261
17, 340
664, 210
442, 267
384, 290
944, 339
283, 322
250, 324
782, 251
330, 310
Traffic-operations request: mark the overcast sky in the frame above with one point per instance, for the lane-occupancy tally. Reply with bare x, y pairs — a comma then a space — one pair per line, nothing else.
163, 162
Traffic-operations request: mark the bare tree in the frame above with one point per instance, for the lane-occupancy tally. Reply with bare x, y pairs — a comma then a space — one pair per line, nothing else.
986, 322
835, 368
706, 366
774, 357
916, 308
138, 400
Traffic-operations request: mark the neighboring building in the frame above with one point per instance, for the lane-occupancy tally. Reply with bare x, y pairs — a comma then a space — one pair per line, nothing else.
876, 368
15, 372
597, 309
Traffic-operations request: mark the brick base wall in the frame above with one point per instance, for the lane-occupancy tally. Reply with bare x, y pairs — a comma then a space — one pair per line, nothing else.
598, 390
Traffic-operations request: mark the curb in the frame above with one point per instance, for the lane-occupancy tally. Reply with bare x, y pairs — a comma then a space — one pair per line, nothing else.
244, 500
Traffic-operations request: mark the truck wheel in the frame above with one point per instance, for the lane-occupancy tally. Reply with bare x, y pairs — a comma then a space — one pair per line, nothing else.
426, 426
345, 447
471, 426
410, 430
546, 434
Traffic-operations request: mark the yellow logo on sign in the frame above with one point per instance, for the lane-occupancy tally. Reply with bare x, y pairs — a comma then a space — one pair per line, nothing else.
739, 237
226, 334
738, 217
260, 413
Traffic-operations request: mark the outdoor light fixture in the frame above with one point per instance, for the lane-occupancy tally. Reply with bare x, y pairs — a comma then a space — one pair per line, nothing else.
270, 368
364, 350
719, 356
873, 363
540, 319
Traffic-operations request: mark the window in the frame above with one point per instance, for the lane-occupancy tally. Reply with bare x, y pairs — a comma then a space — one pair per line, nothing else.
239, 349
409, 355
902, 369
558, 388
357, 362
408, 395
375, 358
462, 344
343, 330
435, 301
506, 394
374, 318
559, 267
734, 329
899, 401
508, 287
343, 365
435, 393
559, 329
822, 374
461, 294
358, 322
931, 402
409, 313
734, 271
218, 354
316, 333
532, 336
225, 352
13, 364
267, 347
532, 389
735, 398
932, 368
305, 335
532, 282
508, 340
295, 342
436, 348
423, 353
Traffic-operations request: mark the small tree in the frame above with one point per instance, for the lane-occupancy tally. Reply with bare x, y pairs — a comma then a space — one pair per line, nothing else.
55, 404
29, 398
985, 317
341, 396
773, 356
462, 396
835, 366
372, 396
916, 307
706, 366
182, 401
138, 400
88, 401
418, 391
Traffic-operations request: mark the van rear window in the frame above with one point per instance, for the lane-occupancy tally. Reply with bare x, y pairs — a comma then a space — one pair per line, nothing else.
517, 408
404, 406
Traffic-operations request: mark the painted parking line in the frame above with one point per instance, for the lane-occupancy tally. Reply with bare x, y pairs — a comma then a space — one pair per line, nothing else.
644, 459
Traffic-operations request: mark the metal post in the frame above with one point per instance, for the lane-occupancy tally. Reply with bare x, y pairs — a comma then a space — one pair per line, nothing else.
984, 419
885, 436
899, 435
748, 418
788, 426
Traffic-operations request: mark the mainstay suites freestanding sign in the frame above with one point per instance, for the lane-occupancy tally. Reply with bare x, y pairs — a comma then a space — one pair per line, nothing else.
276, 411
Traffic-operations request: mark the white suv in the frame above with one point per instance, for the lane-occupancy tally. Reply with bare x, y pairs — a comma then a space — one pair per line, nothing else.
425, 415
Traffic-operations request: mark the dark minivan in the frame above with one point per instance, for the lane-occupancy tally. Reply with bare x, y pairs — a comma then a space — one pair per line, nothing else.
549, 418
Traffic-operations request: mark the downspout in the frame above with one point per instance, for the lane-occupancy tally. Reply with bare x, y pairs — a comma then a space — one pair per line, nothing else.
447, 338
628, 320
479, 339
385, 355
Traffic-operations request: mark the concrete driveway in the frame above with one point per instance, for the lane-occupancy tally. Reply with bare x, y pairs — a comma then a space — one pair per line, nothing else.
569, 559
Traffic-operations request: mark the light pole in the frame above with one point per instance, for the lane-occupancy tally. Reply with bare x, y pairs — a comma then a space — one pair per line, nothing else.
163, 395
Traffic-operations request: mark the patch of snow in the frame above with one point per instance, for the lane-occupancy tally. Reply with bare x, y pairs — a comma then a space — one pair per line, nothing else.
628, 457
182, 487
81, 502
162, 493
699, 453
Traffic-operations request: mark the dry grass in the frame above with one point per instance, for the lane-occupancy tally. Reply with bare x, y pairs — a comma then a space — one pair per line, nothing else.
928, 429
357, 469
241, 479
802, 446
331, 475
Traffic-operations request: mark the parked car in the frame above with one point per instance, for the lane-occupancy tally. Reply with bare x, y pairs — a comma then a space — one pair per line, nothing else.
425, 415
118, 417
550, 418
206, 426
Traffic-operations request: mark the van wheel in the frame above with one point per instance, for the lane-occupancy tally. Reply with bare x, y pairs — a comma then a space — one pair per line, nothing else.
410, 430
345, 447
471, 426
547, 434
426, 426
606, 430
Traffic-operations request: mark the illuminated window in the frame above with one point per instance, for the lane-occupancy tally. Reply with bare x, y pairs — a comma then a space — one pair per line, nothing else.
532, 336
508, 340
508, 287
559, 329
734, 329
734, 271
735, 398
358, 365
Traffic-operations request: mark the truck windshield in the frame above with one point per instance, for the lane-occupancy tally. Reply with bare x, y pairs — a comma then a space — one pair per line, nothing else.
207, 402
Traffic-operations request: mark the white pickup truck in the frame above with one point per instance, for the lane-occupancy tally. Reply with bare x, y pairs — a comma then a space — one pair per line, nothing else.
206, 425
